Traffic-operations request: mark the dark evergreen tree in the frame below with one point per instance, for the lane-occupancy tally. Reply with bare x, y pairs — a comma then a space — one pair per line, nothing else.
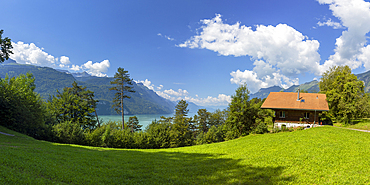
123, 86
6, 46
133, 124
181, 134
202, 120
242, 114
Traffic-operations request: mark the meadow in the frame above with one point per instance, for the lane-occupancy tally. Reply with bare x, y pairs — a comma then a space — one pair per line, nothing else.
322, 155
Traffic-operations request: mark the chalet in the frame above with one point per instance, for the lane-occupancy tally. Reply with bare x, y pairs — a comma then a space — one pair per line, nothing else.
295, 109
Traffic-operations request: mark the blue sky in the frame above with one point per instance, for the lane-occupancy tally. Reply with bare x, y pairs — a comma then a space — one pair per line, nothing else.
200, 51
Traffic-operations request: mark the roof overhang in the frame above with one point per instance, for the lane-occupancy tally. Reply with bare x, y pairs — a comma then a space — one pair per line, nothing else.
292, 109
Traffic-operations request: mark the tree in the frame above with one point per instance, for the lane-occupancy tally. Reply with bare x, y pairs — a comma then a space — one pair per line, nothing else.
242, 113
344, 94
6, 46
133, 122
22, 109
202, 120
123, 85
74, 104
181, 134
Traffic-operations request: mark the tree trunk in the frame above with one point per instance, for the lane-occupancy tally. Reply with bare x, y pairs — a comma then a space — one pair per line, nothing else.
97, 118
122, 110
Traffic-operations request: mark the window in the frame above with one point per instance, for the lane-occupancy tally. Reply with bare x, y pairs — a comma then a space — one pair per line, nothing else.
307, 115
282, 114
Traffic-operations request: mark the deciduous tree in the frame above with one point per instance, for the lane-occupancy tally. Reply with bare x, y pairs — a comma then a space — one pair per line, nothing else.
344, 94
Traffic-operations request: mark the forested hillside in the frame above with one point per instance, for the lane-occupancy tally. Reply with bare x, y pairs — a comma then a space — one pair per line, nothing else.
49, 80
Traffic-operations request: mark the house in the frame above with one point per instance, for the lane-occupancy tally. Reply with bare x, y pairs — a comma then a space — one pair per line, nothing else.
295, 109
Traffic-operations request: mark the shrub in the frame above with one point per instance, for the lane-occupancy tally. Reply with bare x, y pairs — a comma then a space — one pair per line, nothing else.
69, 132
260, 129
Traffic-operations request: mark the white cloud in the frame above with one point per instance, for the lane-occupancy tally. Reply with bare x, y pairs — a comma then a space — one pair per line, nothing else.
179, 92
351, 45
335, 25
160, 87
175, 95
254, 83
279, 52
64, 60
146, 83
166, 36
75, 68
97, 69
31, 54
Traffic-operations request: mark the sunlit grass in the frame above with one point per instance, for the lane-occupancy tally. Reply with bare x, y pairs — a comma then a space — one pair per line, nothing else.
362, 124
323, 155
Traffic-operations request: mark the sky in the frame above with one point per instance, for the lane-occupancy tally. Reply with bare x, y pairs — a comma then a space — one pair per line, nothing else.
199, 51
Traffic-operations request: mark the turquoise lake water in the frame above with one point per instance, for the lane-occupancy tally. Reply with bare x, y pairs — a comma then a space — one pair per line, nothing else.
144, 119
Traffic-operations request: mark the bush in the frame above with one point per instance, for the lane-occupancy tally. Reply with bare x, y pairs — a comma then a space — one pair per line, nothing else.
214, 135
69, 132
260, 129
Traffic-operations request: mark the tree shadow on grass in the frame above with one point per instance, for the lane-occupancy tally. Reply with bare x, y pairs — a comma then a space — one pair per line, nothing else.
162, 167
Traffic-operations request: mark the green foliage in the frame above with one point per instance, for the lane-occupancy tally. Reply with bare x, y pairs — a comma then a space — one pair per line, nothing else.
158, 134
21, 109
345, 94
123, 86
244, 114
202, 120
214, 135
260, 129
180, 133
133, 124
6, 46
69, 132
75, 104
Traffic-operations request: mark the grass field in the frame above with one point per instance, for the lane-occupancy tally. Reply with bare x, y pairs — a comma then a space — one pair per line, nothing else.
324, 155
363, 124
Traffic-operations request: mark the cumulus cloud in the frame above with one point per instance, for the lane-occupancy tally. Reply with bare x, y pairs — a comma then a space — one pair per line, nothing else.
97, 69
279, 52
335, 25
31, 54
351, 47
146, 83
180, 94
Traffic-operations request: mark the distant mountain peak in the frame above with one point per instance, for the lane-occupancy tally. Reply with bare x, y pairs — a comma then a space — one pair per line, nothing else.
9, 61
81, 74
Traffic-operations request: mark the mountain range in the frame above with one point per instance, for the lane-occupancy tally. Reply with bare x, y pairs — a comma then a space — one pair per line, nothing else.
143, 101
311, 87
49, 80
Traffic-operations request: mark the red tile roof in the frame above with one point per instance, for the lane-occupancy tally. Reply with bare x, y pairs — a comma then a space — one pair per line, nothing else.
288, 100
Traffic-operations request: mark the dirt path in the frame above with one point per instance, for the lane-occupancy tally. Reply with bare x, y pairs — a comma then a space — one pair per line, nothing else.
6, 134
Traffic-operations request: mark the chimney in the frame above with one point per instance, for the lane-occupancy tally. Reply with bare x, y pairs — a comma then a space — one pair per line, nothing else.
298, 94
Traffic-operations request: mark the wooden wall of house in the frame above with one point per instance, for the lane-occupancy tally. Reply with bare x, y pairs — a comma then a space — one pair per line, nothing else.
293, 116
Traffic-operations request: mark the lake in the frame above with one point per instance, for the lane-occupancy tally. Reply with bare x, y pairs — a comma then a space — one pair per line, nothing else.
144, 119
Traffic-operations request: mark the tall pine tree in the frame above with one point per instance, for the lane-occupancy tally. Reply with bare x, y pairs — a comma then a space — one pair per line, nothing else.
123, 86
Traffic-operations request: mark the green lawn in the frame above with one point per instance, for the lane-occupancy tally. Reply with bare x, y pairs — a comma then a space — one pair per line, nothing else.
363, 124
323, 155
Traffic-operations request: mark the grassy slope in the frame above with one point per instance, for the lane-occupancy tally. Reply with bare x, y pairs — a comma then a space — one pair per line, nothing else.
362, 124
323, 155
